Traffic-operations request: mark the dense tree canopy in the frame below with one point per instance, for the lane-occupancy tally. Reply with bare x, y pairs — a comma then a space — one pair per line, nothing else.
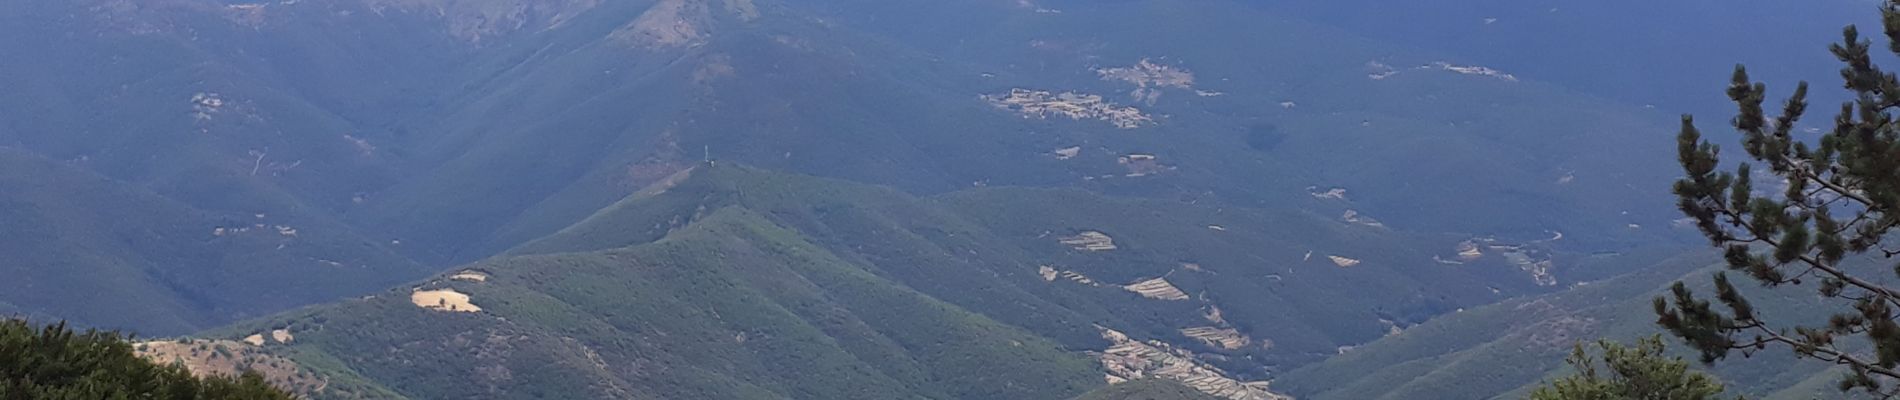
1630, 372
54, 362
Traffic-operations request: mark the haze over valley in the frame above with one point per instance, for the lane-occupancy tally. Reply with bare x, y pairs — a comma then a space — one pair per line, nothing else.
984, 199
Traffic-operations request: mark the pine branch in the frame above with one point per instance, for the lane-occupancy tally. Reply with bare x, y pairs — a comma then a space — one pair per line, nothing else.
1828, 353
1892, 295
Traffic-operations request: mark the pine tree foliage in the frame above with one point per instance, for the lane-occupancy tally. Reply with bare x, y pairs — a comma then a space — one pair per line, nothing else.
1630, 372
1830, 199
56, 363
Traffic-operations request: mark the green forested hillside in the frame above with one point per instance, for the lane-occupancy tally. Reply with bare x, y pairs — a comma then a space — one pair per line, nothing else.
731, 307
1269, 274
1504, 350
735, 282
163, 267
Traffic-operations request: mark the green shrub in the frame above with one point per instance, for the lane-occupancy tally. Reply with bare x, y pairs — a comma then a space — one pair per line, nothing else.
54, 362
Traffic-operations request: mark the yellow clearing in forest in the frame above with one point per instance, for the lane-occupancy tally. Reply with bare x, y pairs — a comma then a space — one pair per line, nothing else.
443, 300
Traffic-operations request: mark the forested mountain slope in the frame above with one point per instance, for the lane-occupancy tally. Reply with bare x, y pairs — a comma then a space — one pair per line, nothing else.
711, 198
1504, 350
731, 276
448, 132
141, 259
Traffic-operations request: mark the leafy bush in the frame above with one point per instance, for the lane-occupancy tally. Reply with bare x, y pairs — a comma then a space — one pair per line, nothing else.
54, 362
1640, 371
